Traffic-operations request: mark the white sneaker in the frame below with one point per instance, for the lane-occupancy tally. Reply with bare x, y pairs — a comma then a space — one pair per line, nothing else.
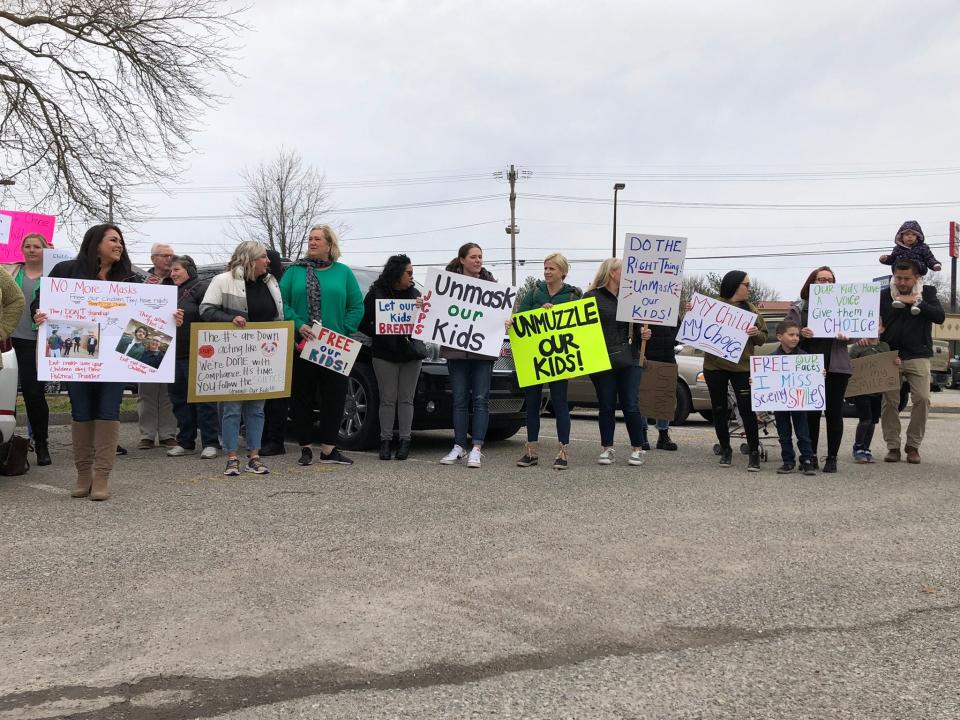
209, 453
606, 457
914, 310
177, 451
455, 455
474, 460
636, 458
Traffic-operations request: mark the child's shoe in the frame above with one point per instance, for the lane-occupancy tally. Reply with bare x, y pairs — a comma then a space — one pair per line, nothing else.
914, 310
898, 304
869, 456
785, 469
859, 456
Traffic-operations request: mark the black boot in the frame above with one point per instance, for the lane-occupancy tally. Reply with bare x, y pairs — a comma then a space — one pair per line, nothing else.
384, 449
43, 453
403, 449
664, 442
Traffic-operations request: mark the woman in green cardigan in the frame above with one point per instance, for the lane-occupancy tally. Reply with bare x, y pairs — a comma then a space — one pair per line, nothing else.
318, 288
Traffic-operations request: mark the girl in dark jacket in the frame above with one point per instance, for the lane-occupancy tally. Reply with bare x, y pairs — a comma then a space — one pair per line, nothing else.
395, 362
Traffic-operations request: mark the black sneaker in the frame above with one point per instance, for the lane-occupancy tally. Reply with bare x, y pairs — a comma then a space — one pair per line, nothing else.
753, 464
786, 469
808, 468
527, 460
335, 457
121, 450
830, 465
272, 449
306, 456
645, 446
726, 457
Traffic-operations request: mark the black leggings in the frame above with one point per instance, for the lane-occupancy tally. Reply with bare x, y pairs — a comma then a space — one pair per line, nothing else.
717, 384
836, 386
33, 390
312, 386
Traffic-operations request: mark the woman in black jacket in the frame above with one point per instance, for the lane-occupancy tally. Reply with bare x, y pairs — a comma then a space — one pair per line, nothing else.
395, 361
661, 347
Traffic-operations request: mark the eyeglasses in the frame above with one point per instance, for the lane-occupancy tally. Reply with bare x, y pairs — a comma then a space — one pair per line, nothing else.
745, 284
823, 280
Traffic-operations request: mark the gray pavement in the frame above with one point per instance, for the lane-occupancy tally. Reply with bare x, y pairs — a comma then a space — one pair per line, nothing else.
396, 590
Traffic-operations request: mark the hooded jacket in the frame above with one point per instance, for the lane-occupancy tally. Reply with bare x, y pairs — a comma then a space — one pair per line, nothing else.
540, 296
920, 252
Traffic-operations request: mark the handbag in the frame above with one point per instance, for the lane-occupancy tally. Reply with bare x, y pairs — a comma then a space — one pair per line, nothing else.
621, 354
418, 348
13, 456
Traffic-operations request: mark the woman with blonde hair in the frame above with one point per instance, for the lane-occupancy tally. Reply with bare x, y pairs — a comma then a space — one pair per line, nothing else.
623, 378
246, 292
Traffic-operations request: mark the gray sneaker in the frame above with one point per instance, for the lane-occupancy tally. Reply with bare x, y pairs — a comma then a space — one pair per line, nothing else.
256, 466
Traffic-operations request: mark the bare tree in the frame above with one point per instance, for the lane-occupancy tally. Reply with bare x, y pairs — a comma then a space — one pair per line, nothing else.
99, 93
282, 201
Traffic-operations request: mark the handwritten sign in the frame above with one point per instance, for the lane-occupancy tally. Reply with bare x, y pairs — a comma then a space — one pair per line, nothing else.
851, 309
464, 313
331, 350
53, 256
395, 317
874, 374
658, 390
716, 327
791, 383
651, 279
564, 341
15, 225
228, 363
129, 327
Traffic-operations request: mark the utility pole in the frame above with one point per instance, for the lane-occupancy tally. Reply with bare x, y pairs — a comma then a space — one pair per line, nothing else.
110, 203
954, 252
512, 228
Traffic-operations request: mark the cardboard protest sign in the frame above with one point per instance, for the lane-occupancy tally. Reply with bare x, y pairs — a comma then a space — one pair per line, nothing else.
851, 309
395, 317
950, 330
228, 363
53, 256
651, 279
787, 383
464, 313
331, 350
14, 224
658, 390
716, 327
564, 341
874, 374
100, 331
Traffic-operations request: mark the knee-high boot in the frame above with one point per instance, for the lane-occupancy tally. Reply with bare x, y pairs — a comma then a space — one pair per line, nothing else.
83, 450
105, 449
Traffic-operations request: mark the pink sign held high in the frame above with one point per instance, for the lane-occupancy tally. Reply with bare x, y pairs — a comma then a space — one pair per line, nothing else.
15, 224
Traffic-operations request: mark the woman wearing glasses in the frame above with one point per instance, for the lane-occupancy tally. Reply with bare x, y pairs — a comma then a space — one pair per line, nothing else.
836, 360
718, 373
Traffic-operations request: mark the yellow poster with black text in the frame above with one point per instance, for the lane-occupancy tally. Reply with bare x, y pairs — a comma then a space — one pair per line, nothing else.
562, 342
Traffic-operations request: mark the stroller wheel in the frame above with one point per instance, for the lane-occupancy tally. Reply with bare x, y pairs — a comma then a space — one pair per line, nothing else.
717, 449
744, 449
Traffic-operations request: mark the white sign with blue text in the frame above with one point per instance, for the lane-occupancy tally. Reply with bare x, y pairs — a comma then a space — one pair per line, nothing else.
716, 327
651, 279
848, 309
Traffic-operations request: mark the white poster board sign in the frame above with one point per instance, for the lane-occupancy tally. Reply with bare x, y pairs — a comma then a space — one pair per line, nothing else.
53, 256
228, 363
716, 327
850, 309
395, 317
464, 313
5, 226
99, 331
651, 279
331, 350
791, 383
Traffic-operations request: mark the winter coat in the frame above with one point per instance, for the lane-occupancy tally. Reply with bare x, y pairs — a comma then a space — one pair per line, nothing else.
919, 252
615, 332
911, 335
226, 297
189, 297
11, 306
395, 348
835, 352
661, 347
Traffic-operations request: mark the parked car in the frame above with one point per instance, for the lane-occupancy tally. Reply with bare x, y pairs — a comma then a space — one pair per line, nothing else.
8, 395
953, 378
433, 400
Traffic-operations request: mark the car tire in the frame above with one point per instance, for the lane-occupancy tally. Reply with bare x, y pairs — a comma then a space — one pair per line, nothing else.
496, 433
360, 427
684, 401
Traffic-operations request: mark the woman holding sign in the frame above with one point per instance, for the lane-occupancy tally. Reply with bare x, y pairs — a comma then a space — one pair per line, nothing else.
396, 361
246, 292
550, 291
836, 360
623, 378
719, 373
320, 289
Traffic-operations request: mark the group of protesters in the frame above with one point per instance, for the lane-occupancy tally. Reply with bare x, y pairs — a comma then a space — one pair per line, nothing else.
255, 287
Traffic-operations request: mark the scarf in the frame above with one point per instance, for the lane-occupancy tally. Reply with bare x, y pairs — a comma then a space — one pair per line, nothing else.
314, 293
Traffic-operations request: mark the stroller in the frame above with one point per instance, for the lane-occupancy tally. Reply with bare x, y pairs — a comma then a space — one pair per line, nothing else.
765, 421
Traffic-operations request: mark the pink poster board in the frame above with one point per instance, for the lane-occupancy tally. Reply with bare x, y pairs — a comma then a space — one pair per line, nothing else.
20, 224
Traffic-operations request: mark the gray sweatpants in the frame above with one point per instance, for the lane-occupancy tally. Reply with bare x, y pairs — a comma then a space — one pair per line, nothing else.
155, 412
398, 384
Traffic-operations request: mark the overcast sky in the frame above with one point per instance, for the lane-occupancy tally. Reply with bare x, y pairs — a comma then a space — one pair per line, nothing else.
656, 95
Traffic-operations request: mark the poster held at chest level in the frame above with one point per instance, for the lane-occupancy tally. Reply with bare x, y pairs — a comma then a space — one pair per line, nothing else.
786, 383
561, 342
716, 327
658, 390
874, 374
228, 363
464, 313
99, 331
395, 317
331, 350
851, 309
651, 279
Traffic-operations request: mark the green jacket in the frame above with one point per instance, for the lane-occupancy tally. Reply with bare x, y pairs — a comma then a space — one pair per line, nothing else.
712, 362
859, 351
341, 302
540, 296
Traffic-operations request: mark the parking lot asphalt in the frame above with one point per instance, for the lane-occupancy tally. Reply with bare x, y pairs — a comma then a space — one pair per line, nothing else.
412, 590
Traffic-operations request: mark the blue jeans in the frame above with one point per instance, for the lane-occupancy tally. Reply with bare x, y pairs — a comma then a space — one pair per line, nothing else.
558, 398
95, 400
252, 411
191, 416
624, 383
470, 378
661, 425
802, 431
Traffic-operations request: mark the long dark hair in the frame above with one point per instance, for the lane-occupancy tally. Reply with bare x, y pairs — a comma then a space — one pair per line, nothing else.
88, 257
393, 270
456, 265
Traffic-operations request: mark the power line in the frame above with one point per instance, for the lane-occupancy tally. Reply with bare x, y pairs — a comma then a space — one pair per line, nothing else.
738, 206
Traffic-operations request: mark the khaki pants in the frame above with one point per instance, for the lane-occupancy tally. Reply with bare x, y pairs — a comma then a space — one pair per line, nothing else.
917, 374
155, 412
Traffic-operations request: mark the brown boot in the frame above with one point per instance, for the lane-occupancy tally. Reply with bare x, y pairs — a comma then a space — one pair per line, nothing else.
893, 455
105, 446
82, 434
913, 455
